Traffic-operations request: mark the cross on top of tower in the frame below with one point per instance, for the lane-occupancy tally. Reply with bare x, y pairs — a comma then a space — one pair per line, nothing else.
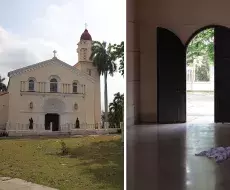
86, 25
54, 53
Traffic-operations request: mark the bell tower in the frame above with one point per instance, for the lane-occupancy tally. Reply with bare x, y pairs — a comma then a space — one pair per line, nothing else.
85, 65
84, 47
84, 52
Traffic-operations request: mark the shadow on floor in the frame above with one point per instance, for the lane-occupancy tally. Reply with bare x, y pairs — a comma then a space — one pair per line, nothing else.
162, 157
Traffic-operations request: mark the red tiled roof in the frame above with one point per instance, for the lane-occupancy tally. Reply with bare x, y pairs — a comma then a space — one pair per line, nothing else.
86, 36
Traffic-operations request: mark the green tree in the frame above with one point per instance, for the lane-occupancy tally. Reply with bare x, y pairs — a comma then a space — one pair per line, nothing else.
203, 71
119, 54
3, 87
104, 60
201, 45
116, 110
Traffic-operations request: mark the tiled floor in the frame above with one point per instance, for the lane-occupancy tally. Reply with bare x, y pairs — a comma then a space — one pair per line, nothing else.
161, 157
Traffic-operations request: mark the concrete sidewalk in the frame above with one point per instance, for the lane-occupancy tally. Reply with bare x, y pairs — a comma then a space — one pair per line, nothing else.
7, 183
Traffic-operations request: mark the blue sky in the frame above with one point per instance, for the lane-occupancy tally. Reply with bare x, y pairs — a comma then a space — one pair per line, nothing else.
31, 30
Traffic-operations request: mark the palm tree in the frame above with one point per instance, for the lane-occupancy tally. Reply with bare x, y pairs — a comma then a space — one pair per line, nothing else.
104, 60
2, 85
116, 109
119, 54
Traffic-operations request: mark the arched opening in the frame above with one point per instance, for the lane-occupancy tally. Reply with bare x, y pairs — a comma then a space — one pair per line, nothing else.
75, 83
54, 109
171, 76
53, 85
200, 59
31, 85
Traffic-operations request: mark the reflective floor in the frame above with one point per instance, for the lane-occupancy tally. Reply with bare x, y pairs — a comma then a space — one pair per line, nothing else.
162, 157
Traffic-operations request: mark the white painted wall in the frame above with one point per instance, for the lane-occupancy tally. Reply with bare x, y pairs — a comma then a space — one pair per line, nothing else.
200, 86
19, 111
192, 85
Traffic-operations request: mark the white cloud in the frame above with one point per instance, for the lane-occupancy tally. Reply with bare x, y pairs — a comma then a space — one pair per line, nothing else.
60, 28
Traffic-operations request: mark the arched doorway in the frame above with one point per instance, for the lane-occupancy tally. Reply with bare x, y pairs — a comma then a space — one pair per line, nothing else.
53, 109
171, 75
200, 76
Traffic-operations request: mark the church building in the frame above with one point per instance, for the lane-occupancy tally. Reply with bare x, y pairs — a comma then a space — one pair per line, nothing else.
52, 95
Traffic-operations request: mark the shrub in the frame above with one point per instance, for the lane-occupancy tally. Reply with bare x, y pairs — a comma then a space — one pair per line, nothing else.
64, 149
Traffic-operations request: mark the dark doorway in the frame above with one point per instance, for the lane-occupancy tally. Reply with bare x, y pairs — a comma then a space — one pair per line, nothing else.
171, 78
222, 76
54, 118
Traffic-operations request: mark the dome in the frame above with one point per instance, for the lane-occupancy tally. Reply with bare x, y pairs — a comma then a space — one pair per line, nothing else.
86, 36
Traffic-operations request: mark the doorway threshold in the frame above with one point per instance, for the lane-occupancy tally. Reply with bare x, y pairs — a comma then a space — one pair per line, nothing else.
200, 119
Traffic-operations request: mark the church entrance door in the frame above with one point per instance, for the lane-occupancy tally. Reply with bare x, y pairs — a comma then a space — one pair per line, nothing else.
222, 76
171, 78
54, 119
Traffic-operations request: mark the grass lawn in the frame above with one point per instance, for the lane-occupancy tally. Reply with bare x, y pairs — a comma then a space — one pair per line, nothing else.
93, 163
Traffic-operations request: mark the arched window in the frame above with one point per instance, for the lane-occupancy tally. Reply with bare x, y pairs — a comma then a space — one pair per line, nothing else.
53, 85
75, 87
31, 85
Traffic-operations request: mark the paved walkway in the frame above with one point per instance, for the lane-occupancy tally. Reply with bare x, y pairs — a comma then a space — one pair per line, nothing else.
7, 183
200, 107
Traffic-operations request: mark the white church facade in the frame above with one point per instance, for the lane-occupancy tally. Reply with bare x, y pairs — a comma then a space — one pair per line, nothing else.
53, 95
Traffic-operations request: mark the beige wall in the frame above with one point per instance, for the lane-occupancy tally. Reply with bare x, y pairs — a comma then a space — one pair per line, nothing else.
4, 105
84, 50
133, 61
181, 17
83, 66
20, 112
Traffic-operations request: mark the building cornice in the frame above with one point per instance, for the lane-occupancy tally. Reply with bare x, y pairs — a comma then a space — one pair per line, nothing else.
54, 61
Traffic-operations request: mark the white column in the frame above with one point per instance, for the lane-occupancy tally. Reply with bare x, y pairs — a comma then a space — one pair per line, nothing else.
51, 126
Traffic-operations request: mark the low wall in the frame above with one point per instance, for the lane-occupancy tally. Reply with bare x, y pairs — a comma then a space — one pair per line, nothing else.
83, 132
65, 129
200, 86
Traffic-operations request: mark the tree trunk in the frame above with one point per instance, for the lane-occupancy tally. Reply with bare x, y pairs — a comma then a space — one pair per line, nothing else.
106, 97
